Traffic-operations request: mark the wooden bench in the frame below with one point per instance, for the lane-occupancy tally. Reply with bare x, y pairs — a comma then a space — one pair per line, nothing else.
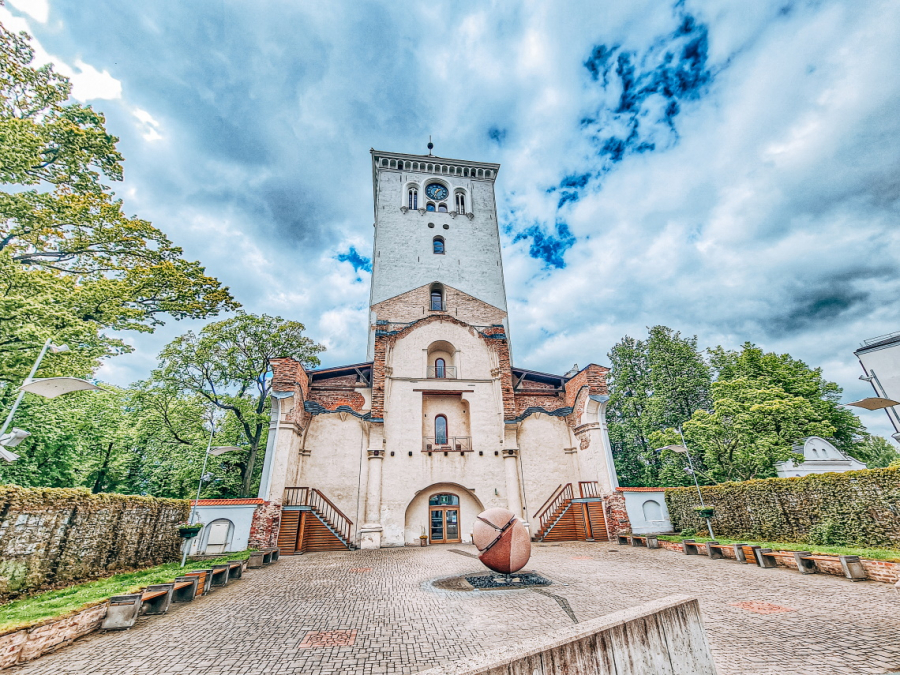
185, 588
122, 611
766, 557
714, 550
219, 575
205, 578
745, 553
156, 598
623, 540
644, 540
256, 560
235, 569
690, 547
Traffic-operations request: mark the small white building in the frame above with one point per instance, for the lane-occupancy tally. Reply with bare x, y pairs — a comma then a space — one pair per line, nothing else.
226, 525
819, 456
646, 508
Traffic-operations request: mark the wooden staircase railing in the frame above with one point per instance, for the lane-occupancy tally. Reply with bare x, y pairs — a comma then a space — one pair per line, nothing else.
552, 509
589, 488
328, 513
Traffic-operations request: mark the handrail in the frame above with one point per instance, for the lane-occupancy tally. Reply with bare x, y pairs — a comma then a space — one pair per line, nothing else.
441, 372
295, 496
318, 502
549, 499
451, 444
563, 493
588, 488
329, 511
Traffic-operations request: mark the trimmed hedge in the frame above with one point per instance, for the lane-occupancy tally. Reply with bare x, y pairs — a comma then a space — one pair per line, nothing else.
860, 508
53, 536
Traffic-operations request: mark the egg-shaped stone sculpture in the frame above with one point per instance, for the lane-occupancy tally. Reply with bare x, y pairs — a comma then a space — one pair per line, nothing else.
502, 539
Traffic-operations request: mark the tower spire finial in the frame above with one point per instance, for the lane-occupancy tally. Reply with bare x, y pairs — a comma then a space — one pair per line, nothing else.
430, 146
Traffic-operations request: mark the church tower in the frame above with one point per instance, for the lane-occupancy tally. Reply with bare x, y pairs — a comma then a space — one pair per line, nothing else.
435, 229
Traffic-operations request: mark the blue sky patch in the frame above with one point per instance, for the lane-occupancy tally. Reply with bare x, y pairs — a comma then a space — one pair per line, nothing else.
551, 248
359, 262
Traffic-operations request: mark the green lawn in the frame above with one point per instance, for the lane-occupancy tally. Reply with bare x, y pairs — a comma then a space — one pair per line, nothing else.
869, 553
38, 609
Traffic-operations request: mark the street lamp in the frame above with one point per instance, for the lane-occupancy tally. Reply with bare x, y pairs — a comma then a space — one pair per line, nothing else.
877, 403
210, 450
682, 449
48, 387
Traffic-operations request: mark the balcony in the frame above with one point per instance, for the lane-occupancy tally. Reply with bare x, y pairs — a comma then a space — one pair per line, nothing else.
442, 373
447, 444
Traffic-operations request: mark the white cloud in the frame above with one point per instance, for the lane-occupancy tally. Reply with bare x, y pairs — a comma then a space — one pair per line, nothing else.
149, 126
39, 10
90, 84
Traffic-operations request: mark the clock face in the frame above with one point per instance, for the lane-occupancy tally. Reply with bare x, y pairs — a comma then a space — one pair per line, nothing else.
436, 191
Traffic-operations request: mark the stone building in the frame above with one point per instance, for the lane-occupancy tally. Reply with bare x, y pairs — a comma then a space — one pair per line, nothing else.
437, 423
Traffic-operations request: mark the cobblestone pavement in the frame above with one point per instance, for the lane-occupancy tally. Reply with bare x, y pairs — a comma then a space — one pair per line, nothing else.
373, 612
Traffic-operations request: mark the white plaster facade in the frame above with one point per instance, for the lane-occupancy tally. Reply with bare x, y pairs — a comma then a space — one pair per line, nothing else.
819, 456
365, 435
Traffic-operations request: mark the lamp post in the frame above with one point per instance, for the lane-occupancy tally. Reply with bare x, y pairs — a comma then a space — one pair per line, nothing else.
683, 449
210, 450
49, 387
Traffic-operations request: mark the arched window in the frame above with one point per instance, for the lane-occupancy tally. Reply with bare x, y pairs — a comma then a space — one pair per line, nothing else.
439, 368
440, 430
413, 199
437, 299
460, 203
443, 500
438, 246
429, 206
442, 208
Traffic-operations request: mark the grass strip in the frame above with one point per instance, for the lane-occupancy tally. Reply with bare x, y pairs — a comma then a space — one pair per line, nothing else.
58, 604
890, 555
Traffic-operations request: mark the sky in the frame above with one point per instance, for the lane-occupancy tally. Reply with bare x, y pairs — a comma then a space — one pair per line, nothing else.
730, 169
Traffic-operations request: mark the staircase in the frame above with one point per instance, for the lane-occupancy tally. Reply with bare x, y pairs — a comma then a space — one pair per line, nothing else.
311, 522
564, 517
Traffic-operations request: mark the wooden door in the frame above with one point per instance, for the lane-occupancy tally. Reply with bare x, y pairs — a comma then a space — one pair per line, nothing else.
444, 521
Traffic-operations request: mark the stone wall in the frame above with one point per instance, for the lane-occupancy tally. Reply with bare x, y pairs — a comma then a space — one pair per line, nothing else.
53, 536
616, 514
264, 528
664, 636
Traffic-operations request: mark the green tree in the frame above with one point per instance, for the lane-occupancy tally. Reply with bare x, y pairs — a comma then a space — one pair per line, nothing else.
751, 427
229, 365
794, 377
876, 452
57, 214
654, 384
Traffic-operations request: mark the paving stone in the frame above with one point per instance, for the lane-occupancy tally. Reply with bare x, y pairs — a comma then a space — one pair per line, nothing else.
400, 624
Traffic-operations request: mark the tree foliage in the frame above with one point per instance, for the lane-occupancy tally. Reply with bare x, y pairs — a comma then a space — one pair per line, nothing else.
741, 411
58, 215
228, 364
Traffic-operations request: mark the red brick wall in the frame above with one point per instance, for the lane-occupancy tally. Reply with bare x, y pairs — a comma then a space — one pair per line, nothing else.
546, 401
616, 514
264, 528
332, 398
416, 304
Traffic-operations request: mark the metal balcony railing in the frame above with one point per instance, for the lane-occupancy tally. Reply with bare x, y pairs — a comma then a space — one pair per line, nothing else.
447, 444
442, 373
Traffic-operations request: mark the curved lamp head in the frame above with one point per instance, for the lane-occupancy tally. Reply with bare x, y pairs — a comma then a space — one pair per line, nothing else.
217, 450
675, 448
874, 403
51, 387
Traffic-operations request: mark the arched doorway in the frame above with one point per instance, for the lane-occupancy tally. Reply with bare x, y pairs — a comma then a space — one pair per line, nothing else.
443, 519
419, 512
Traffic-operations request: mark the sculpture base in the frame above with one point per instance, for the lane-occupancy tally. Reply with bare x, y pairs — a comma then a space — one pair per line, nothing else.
499, 582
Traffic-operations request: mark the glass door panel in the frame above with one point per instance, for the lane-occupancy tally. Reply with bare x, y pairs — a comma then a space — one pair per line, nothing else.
452, 517
437, 525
